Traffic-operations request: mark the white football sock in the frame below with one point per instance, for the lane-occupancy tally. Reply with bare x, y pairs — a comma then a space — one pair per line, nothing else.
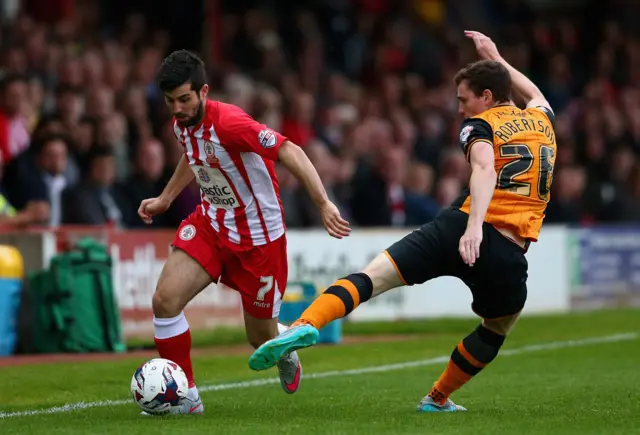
171, 327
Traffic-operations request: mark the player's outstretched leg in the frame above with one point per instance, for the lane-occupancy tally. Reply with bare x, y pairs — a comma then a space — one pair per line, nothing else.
182, 278
468, 358
341, 298
336, 302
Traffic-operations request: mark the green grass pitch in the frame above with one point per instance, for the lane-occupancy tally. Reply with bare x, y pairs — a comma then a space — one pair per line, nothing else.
564, 374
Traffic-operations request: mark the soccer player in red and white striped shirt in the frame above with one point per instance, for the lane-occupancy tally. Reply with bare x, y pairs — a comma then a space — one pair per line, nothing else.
236, 236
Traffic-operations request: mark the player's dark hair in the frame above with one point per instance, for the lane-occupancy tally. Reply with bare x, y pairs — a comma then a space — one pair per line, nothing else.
486, 74
181, 67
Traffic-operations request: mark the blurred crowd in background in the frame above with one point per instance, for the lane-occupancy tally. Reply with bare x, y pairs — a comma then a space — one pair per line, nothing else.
364, 86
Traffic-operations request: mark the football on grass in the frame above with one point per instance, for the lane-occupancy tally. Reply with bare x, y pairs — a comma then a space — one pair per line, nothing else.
158, 386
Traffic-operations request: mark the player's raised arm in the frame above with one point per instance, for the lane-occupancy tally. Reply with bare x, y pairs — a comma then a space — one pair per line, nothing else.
519, 82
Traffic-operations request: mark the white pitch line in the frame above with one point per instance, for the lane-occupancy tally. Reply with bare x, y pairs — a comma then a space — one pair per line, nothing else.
361, 371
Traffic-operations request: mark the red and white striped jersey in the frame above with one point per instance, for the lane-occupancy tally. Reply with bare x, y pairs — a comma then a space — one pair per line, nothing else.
233, 158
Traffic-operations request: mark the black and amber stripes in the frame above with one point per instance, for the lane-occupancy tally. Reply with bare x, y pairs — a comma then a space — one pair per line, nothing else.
477, 350
468, 358
352, 290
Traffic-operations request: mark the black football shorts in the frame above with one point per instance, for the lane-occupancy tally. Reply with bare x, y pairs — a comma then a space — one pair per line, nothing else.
498, 279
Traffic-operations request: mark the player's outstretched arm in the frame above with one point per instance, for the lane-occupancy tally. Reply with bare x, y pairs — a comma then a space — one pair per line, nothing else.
181, 177
519, 82
297, 162
239, 129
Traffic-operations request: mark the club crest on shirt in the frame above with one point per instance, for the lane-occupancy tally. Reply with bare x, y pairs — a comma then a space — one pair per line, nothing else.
267, 138
187, 232
465, 132
210, 153
203, 176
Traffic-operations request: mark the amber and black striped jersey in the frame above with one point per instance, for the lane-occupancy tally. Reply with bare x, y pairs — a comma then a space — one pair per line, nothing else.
524, 146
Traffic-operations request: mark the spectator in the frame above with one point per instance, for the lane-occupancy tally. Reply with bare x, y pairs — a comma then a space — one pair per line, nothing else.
625, 206
297, 125
14, 133
567, 193
604, 198
69, 105
378, 192
37, 178
420, 206
147, 181
448, 190
112, 133
93, 202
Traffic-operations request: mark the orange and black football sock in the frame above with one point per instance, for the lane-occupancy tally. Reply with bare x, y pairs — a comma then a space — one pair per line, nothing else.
337, 301
470, 356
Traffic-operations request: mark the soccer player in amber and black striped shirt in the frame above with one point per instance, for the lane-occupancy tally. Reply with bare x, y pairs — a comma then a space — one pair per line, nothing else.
481, 239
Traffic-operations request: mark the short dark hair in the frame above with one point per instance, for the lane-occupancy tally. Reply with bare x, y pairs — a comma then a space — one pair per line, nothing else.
181, 67
486, 74
86, 161
41, 143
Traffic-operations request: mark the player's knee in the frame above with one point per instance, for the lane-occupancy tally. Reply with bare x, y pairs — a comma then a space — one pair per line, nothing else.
383, 275
166, 304
503, 325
